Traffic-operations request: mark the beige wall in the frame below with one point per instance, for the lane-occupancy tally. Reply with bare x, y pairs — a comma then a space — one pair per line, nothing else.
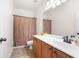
64, 18
21, 12
39, 15
6, 27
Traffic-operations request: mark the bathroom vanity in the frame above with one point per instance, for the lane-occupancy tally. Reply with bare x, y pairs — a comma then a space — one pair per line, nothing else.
52, 46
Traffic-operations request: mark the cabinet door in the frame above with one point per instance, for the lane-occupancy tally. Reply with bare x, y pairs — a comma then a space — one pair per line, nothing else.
46, 50
59, 54
37, 47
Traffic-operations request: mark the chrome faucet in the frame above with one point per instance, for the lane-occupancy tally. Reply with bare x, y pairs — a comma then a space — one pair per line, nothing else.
66, 39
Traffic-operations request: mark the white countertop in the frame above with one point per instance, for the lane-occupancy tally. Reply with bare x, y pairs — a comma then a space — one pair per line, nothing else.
57, 42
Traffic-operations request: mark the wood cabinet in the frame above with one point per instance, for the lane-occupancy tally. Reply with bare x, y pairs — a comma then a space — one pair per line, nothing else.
43, 50
59, 54
46, 50
37, 48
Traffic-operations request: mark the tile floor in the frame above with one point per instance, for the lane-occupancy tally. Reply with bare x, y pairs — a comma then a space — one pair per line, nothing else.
22, 52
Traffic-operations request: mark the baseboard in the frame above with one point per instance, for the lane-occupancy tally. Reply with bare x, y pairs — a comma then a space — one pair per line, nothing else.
10, 52
19, 46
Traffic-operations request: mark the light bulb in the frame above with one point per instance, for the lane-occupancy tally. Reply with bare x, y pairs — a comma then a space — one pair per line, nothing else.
58, 2
48, 2
63, 1
53, 6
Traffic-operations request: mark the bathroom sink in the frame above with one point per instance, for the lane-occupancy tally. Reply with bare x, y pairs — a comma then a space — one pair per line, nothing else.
57, 39
76, 42
53, 37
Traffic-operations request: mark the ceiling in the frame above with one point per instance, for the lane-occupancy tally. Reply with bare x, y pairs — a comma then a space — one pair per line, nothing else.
26, 4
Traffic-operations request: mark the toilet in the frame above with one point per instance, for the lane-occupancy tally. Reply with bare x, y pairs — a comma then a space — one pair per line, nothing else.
30, 44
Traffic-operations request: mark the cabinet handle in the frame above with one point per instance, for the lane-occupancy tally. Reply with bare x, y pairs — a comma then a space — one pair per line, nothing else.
49, 48
55, 54
54, 51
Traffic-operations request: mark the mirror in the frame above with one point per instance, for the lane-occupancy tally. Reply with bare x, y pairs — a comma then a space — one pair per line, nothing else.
64, 18
47, 25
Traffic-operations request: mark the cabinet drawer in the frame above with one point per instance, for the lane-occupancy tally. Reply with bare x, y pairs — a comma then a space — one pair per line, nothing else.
60, 54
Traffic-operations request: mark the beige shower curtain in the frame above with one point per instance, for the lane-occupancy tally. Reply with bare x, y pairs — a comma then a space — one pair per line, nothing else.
24, 28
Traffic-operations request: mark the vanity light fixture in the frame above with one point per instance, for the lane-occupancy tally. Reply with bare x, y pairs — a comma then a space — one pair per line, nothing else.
58, 2
63, 1
55, 3
54, 6
52, 1
48, 2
